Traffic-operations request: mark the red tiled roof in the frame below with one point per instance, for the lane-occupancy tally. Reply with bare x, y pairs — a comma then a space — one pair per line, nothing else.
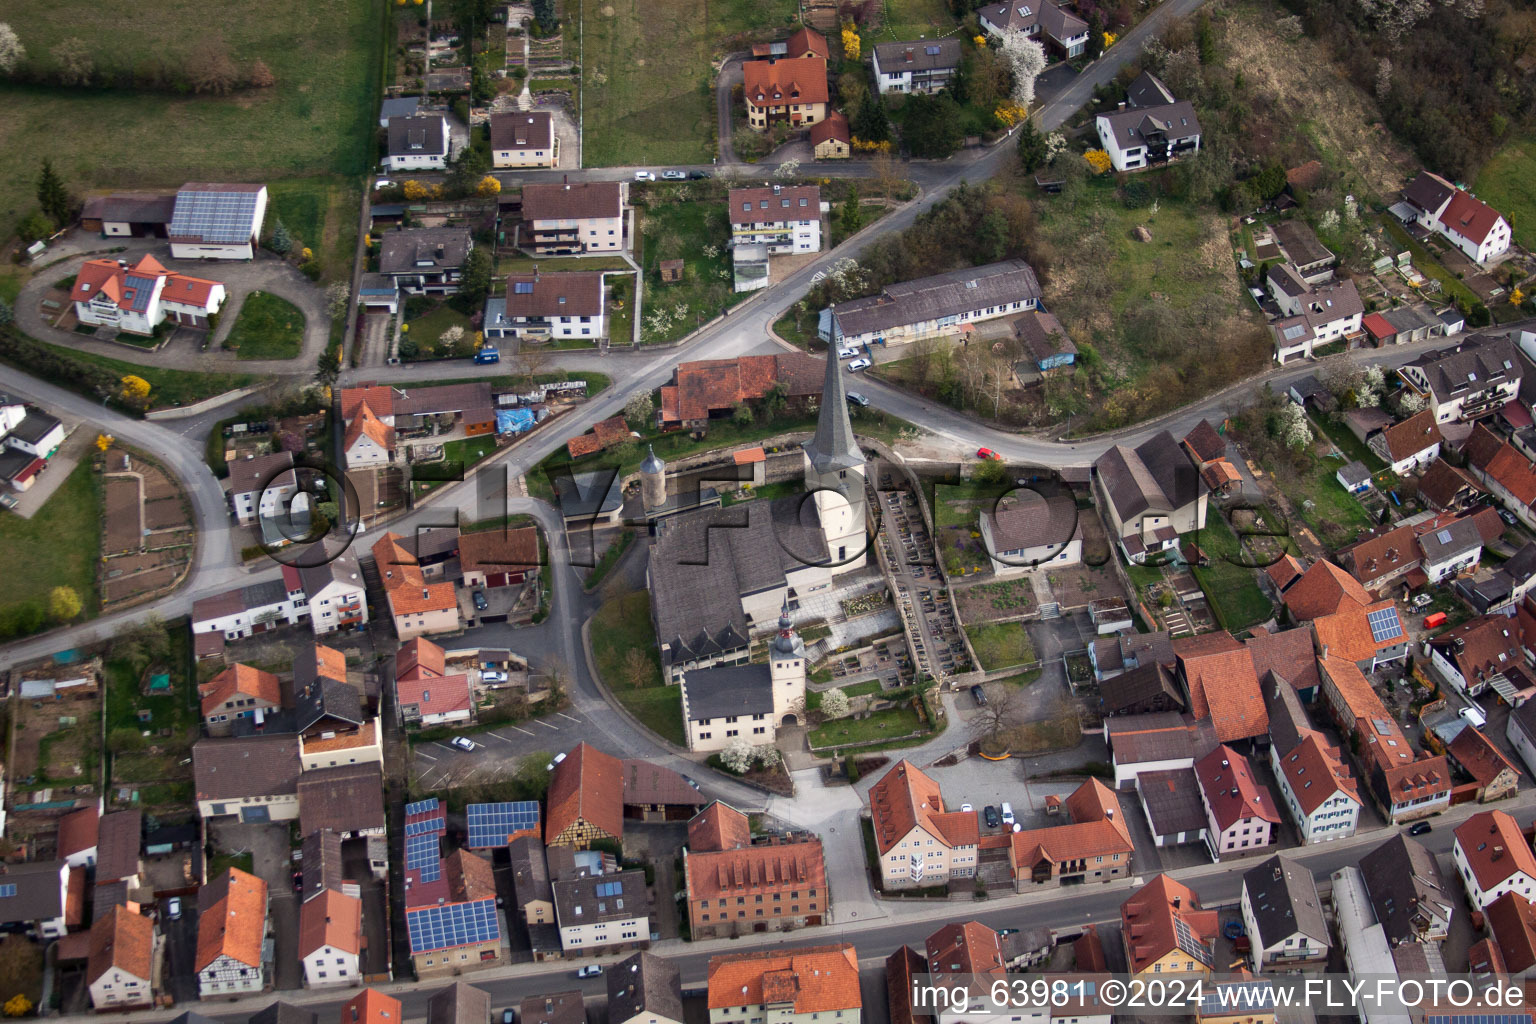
499, 550
587, 786
833, 126
1469, 217
1381, 553
419, 657
242, 681
235, 922
766, 205
1231, 790
808, 40
1223, 686
1347, 633
1502, 463
1088, 952
77, 831
1412, 435
1377, 326
436, 695
968, 947
718, 827
764, 868
1512, 921
111, 280
905, 799
1494, 848
1284, 571
789, 80
1417, 780
1481, 759
1316, 772
122, 939
715, 385
404, 585
1441, 482
379, 398
371, 1007
1322, 590
815, 979
606, 434
333, 919
366, 424
1148, 923
1062, 843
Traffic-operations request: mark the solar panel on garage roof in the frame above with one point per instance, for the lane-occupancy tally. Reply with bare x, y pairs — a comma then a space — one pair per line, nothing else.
454, 924
421, 806
491, 824
218, 217
1384, 624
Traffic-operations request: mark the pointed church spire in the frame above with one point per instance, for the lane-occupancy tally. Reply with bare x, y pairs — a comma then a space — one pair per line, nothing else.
833, 447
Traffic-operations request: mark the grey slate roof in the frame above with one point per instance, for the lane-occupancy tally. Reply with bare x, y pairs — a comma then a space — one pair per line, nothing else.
1288, 722
1030, 520
1409, 318
530, 129
459, 1004
1172, 800
702, 563
34, 426
1284, 899
402, 106
423, 250
1289, 281
581, 891
530, 871
916, 56
1353, 473
1139, 684
1131, 649
1131, 127
1479, 362
418, 135
556, 1007
644, 983
328, 698
726, 690
1456, 538
347, 798
118, 837
321, 863
1300, 243
1401, 874
283, 1013
833, 447
942, 295
590, 492
1154, 476
39, 894
1428, 191
1042, 335
1147, 90
234, 768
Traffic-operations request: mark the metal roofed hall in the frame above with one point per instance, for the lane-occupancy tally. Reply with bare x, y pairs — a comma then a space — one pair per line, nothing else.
939, 296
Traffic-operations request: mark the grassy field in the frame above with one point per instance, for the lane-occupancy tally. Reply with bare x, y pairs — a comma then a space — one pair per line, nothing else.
268, 328
318, 119
322, 214
888, 724
908, 19
55, 548
647, 81
622, 623
1347, 442
1229, 586
1001, 645
1506, 184
425, 330
690, 232
1335, 516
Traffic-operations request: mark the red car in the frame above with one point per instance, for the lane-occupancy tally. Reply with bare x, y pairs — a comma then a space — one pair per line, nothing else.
988, 453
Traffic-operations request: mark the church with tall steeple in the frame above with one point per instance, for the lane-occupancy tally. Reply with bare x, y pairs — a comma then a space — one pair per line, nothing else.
834, 475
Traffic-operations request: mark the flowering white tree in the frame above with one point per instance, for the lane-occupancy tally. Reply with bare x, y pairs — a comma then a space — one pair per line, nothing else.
835, 704
767, 755
1410, 402
787, 170
737, 755
1329, 221
1368, 390
1294, 430
1027, 57
11, 50
1055, 145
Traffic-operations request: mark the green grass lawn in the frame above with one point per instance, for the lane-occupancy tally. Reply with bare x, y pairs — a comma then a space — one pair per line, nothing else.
860, 689
322, 213
908, 19
269, 327
57, 547
621, 624
621, 319
425, 330
1229, 586
688, 231
1505, 183
1143, 576
526, 264
1348, 443
469, 450
1335, 516
647, 81
1001, 644
155, 767
888, 724
799, 329
318, 119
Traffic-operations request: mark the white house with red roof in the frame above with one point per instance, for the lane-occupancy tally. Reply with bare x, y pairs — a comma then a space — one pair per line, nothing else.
918, 841
1493, 857
1318, 790
1240, 813
424, 691
1467, 222
136, 299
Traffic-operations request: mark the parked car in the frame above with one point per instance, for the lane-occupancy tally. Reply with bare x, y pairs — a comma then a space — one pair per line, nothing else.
480, 602
1418, 828
551, 766
1508, 516
697, 175
848, 352
383, 183
860, 364
689, 779
990, 816
298, 881
173, 908
1007, 813
1423, 600
7, 501
988, 454
1474, 716
645, 175
491, 675
978, 695
590, 971
463, 743
854, 398
675, 175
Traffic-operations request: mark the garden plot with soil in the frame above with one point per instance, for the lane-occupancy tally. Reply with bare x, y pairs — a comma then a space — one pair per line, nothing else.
147, 537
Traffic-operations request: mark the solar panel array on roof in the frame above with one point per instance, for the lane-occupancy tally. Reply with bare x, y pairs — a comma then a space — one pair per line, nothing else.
609, 889
1384, 624
422, 827
8, 890
490, 825
423, 857
220, 217
421, 806
454, 924
1187, 943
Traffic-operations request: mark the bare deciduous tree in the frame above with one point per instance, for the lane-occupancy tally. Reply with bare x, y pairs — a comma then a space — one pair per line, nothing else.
210, 70
1002, 711
74, 60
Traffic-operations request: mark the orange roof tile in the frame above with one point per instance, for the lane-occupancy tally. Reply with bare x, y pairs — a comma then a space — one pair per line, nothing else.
332, 919
1322, 590
808, 40
815, 979
1148, 924
1062, 843
499, 550
961, 948
833, 126
1316, 772
74, 898
379, 398
1481, 759
234, 923
718, 827
748, 457
77, 830
240, 681
371, 1007
365, 735
1494, 848
605, 434
1512, 920
1412, 435
716, 385
760, 869
1223, 685
470, 877
330, 663
1422, 779
419, 657
905, 799
1469, 217
404, 585
1285, 570
1231, 791
789, 80
587, 786
365, 423
123, 939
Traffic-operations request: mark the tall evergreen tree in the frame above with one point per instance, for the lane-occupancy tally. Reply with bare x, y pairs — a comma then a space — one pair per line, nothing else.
870, 123
52, 196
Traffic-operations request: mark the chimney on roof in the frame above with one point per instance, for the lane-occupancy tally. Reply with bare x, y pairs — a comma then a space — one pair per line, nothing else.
1177, 902
1498, 852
